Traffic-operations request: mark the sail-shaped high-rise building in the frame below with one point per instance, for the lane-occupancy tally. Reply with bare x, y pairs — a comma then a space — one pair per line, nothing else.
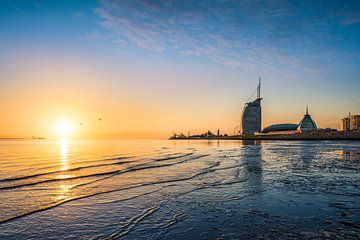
251, 117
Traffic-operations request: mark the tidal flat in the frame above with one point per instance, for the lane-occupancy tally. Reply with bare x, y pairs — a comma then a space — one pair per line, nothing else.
181, 189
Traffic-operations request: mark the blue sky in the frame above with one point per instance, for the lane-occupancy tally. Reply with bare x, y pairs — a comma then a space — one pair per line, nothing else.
307, 52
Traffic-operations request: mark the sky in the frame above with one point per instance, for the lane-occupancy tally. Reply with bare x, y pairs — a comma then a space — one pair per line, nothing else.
151, 68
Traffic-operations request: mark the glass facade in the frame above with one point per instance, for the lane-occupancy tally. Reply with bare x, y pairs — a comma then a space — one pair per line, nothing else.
307, 124
251, 118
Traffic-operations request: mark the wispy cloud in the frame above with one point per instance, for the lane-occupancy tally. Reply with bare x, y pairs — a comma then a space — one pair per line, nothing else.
246, 34
96, 36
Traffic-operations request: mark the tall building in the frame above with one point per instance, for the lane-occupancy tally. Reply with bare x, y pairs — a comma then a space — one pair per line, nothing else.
251, 117
345, 124
351, 122
307, 123
355, 122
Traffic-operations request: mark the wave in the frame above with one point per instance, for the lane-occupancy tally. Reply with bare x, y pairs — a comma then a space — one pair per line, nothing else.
62, 171
132, 223
57, 180
90, 166
53, 205
112, 173
125, 229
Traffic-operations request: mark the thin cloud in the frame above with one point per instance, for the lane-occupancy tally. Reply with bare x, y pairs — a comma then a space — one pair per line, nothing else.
246, 34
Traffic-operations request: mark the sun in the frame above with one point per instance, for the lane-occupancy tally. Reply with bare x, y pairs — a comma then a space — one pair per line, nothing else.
64, 128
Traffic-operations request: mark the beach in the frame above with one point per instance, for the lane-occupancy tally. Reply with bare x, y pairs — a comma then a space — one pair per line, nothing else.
159, 189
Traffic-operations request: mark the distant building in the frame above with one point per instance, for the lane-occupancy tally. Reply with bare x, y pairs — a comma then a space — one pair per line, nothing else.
251, 117
326, 130
351, 122
345, 124
307, 123
355, 122
209, 134
283, 127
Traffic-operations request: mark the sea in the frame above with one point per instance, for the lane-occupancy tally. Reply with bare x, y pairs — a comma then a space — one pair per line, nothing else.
179, 189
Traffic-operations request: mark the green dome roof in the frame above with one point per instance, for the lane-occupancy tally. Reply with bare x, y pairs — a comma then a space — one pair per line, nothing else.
307, 123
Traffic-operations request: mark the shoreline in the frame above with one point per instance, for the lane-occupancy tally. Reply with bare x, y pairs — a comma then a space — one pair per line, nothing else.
272, 139
348, 136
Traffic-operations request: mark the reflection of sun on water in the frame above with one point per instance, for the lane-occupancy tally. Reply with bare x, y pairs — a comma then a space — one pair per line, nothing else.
63, 188
64, 154
63, 192
63, 176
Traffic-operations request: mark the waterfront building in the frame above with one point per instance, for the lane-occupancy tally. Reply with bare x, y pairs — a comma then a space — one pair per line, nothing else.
351, 122
283, 127
355, 122
307, 123
345, 124
251, 117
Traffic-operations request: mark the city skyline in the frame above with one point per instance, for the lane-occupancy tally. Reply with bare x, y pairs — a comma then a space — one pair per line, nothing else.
147, 68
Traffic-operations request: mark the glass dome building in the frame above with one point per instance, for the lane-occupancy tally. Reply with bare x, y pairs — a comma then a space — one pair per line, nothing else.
307, 123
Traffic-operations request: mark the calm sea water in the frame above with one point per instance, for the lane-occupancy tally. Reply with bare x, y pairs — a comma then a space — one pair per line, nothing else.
144, 189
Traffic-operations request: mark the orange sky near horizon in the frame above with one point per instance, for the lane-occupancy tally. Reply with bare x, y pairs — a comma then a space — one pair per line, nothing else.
38, 96
147, 72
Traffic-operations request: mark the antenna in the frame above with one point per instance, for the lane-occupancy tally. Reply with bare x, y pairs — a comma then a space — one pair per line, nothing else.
307, 110
258, 88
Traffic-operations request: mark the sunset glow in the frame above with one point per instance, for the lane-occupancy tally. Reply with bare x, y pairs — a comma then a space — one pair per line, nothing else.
147, 72
164, 119
64, 129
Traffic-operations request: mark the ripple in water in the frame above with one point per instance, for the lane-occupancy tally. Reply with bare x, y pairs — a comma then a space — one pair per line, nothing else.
113, 189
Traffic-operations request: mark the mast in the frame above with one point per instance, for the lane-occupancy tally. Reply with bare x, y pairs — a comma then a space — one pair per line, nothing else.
258, 88
307, 110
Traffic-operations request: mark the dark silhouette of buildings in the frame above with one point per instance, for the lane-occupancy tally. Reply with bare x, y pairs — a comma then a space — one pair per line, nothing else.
251, 117
283, 127
351, 122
